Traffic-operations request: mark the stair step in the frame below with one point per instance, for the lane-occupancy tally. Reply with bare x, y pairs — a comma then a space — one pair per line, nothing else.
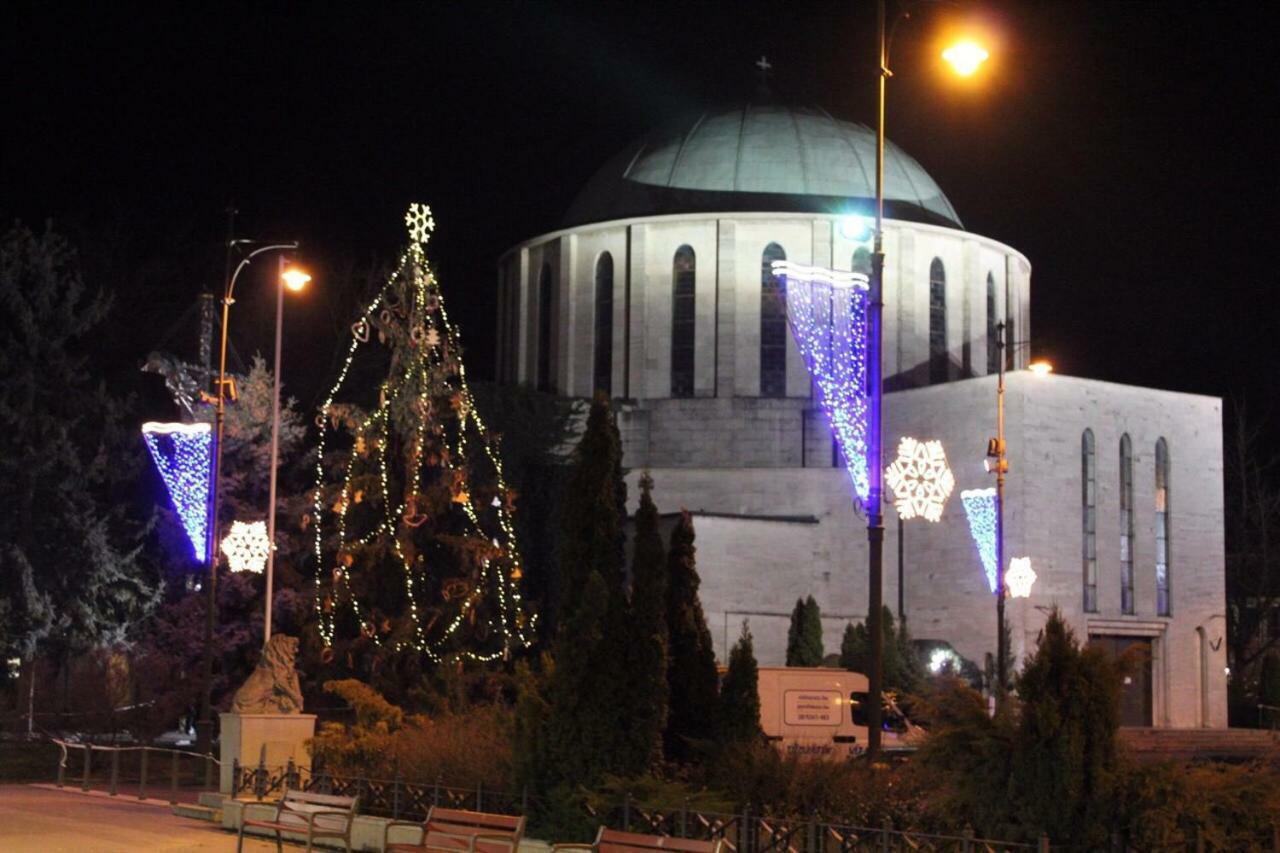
197, 812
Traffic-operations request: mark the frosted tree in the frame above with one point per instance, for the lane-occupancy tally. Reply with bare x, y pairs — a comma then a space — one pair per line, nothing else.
413, 536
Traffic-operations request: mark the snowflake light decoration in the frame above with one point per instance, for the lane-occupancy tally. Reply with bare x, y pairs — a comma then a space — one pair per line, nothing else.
1020, 577
420, 222
247, 546
980, 507
182, 455
920, 479
827, 313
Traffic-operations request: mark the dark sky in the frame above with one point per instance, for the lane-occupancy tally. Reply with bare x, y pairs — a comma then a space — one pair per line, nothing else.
1128, 149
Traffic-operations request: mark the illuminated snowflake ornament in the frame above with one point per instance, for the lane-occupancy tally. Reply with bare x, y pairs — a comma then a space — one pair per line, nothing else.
420, 223
980, 507
247, 546
827, 313
1020, 577
182, 455
920, 479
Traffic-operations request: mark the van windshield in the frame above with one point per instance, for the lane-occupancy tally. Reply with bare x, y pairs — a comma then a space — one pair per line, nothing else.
891, 720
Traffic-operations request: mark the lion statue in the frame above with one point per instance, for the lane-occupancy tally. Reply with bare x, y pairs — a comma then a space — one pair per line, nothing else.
273, 686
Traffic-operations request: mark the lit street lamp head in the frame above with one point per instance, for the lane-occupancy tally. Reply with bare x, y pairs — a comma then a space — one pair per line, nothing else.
965, 57
1040, 368
295, 279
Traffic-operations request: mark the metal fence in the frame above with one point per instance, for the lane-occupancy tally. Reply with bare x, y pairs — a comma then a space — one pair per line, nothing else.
146, 772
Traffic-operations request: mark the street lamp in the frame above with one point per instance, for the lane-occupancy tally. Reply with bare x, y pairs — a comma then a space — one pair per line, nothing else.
204, 726
960, 59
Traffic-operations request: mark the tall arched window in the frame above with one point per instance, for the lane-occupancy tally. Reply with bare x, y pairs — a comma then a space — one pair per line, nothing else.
1164, 606
773, 325
937, 322
684, 282
602, 374
993, 331
1089, 518
861, 261
544, 329
1126, 524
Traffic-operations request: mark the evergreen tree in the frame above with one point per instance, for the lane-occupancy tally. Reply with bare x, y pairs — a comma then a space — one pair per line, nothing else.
740, 693
902, 670
415, 545
804, 635
1064, 756
646, 648
594, 508
70, 574
691, 664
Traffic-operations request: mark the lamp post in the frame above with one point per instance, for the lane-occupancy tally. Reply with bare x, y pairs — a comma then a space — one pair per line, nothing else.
204, 726
965, 58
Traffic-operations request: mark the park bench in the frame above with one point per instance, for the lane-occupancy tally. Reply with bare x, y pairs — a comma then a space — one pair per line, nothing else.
458, 831
313, 815
617, 841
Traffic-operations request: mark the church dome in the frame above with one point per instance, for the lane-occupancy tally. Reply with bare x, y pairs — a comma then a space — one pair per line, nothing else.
760, 158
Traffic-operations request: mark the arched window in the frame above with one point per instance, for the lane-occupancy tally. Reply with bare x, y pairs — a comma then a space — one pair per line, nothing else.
1164, 606
993, 331
1089, 518
937, 322
773, 325
861, 261
602, 374
544, 329
684, 282
1126, 524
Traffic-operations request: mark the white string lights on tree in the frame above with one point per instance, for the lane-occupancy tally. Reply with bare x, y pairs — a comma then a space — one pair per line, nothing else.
1020, 577
420, 441
182, 453
827, 312
980, 507
920, 479
247, 546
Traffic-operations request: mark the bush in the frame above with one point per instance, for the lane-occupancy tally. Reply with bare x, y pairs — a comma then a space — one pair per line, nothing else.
463, 748
1167, 804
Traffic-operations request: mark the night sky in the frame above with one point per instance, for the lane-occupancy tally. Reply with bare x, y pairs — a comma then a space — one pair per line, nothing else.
1128, 149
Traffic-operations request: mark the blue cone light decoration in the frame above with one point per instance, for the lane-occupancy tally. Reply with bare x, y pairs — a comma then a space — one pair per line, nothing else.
827, 313
182, 454
980, 507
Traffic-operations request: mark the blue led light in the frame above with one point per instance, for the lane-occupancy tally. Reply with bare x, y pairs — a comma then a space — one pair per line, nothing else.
980, 507
182, 454
827, 312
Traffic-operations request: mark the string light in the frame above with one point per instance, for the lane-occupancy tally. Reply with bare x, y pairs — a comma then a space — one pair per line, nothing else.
827, 312
1020, 577
247, 546
182, 455
980, 507
920, 479
409, 313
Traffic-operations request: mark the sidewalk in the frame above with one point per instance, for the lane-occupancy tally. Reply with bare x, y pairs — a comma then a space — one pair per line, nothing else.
33, 820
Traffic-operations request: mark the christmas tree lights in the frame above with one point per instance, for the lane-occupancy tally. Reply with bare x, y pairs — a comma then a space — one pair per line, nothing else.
920, 479
182, 453
980, 507
416, 543
827, 312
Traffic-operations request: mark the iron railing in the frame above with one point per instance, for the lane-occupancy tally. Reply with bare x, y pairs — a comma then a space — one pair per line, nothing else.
148, 770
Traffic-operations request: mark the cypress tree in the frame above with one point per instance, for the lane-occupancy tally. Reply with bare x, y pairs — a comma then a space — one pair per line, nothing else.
804, 635
740, 694
692, 680
902, 670
645, 712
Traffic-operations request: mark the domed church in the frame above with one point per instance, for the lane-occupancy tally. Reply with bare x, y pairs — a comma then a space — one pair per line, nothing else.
658, 289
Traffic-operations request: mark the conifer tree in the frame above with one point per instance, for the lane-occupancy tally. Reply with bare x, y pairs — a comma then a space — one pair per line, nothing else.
740, 693
646, 648
902, 670
691, 664
804, 636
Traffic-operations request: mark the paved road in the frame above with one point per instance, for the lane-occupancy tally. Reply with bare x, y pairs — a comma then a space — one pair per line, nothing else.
41, 821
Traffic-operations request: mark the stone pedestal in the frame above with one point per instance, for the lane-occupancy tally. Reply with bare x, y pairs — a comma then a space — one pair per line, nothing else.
244, 737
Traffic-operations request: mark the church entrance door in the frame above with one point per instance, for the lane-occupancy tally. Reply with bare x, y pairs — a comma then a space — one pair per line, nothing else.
1135, 689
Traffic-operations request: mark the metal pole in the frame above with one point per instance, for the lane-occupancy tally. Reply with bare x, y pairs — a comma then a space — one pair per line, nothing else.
875, 521
1001, 465
275, 453
902, 608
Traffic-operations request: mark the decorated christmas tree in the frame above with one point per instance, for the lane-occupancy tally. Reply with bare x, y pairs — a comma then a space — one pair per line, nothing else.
412, 518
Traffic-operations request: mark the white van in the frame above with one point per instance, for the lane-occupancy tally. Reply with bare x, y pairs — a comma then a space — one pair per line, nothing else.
820, 712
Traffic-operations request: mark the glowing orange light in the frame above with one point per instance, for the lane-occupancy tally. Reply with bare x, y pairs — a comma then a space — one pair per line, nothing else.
965, 57
295, 279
